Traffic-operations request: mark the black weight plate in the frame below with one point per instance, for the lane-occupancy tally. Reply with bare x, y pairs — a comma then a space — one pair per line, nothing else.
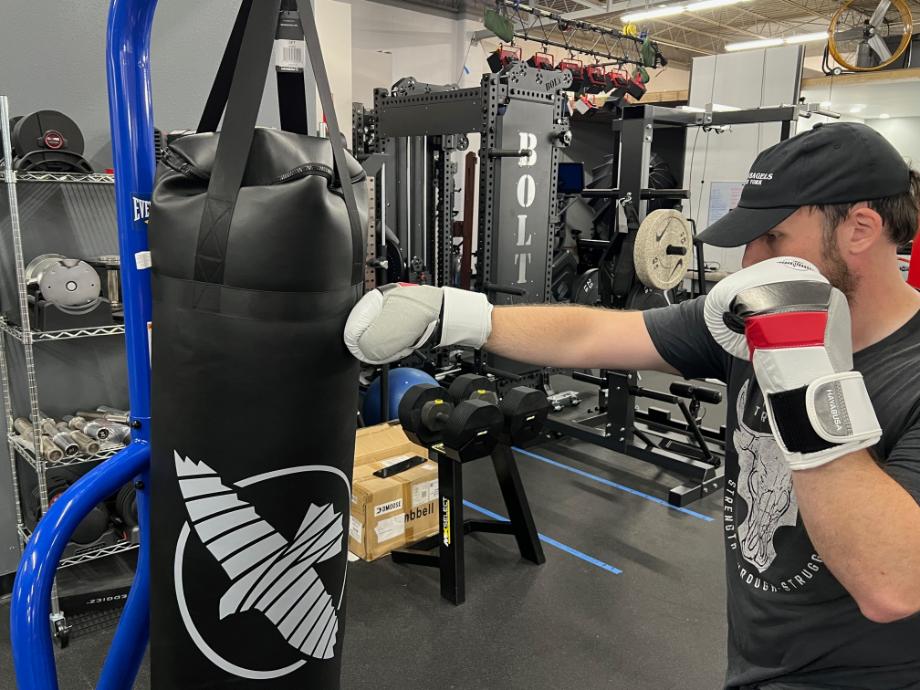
642, 298
396, 264
565, 268
47, 130
93, 526
126, 504
13, 121
473, 429
90, 529
53, 161
466, 385
411, 409
586, 288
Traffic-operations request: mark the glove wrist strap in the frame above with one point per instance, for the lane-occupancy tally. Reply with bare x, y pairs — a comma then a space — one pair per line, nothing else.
832, 410
466, 318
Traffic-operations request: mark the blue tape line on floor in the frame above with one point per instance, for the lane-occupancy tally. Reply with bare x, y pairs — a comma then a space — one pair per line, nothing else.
552, 542
607, 482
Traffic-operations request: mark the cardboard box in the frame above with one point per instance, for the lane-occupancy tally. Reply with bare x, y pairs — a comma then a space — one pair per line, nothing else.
388, 513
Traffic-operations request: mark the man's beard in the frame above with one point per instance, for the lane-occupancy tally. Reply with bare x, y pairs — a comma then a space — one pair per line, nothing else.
835, 269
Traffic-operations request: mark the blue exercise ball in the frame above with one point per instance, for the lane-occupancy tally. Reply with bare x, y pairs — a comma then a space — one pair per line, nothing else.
401, 380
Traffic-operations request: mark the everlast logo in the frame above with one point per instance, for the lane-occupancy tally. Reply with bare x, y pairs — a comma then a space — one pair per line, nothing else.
526, 194
756, 178
141, 209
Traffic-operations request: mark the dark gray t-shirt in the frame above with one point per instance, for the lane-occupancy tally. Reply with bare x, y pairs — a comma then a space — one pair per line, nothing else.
789, 619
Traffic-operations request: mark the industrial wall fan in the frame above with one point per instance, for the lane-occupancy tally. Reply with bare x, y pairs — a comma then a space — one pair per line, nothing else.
867, 35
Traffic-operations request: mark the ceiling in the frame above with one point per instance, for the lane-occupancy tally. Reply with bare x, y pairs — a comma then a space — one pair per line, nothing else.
704, 32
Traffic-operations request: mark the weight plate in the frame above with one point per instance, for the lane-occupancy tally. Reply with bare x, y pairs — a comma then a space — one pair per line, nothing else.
586, 289
564, 272
642, 298
70, 283
396, 264
46, 130
663, 249
468, 386
53, 161
39, 264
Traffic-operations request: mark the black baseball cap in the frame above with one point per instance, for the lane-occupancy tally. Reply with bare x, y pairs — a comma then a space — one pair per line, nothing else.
836, 163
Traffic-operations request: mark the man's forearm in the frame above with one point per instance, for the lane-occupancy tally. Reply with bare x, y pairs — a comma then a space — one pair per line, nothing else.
567, 336
866, 528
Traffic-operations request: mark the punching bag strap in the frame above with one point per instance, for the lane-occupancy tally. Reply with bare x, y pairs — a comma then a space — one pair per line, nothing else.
292, 89
220, 89
248, 52
335, 137
235, 140
292, 93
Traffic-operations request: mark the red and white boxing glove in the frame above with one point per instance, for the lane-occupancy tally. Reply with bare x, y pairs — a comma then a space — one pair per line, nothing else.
787, 319
391, 322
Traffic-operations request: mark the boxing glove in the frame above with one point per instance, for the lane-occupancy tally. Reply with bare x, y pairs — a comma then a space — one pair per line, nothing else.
389, 323
787, 319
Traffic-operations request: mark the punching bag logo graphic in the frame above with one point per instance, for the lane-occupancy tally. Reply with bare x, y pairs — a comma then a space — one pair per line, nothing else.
269, 573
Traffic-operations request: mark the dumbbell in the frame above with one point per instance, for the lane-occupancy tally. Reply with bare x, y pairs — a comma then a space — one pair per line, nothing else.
470, 429
525, 411
473, 387
473, 430
88, 446
46, 447
424, 412
61, 439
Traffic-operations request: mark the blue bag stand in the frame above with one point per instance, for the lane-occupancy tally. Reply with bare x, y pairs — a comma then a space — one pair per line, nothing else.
131, 113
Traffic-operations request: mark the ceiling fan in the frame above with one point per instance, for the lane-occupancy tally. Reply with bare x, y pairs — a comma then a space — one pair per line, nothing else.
868, 35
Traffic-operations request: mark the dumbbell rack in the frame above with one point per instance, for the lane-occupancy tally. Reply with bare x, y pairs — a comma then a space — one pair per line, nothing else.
26, 338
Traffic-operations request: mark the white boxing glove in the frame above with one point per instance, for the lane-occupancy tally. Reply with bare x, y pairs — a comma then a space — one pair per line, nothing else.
787, 319
389, 323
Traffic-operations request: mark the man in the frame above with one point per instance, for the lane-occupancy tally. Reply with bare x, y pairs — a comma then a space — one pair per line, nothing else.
821, 514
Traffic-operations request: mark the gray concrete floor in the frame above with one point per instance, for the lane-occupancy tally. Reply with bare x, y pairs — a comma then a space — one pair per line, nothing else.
571, 623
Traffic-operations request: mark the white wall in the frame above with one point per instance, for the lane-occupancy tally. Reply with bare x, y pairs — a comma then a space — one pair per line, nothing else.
334, 25
744, 80
392, 42
904, 135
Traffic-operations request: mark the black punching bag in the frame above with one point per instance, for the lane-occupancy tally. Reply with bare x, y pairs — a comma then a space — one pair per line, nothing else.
257, 258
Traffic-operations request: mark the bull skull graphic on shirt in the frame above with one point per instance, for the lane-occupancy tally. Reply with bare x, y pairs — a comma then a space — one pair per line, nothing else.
765, 484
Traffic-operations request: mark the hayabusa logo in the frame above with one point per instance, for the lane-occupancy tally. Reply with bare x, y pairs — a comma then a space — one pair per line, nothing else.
268, 573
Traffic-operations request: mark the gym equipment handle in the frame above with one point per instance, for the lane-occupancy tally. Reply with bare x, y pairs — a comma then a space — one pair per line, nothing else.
664, 194
509, 153
501, 373
706, 395
600, 193
634, 390
492, 288
588, 378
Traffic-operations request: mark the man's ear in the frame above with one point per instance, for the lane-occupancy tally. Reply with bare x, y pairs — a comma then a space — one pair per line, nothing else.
866, 229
